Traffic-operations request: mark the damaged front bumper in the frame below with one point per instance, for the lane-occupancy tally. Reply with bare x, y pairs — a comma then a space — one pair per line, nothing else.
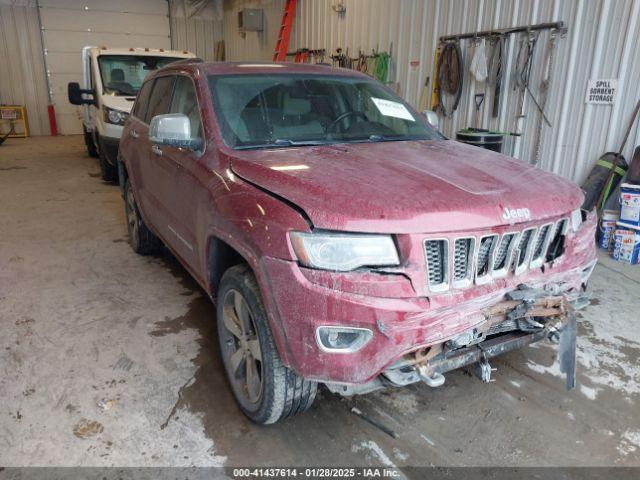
526, 316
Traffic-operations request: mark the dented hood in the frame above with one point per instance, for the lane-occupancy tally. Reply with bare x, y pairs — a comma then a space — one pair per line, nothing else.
407, 187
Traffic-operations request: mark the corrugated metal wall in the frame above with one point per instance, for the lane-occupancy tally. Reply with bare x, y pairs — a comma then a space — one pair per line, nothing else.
197, 33
602, 42
22, 74
253, 45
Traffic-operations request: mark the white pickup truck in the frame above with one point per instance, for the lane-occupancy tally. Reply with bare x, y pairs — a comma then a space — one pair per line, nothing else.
111, 78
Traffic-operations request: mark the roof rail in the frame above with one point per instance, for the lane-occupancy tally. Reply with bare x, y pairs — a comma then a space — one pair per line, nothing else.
186, 60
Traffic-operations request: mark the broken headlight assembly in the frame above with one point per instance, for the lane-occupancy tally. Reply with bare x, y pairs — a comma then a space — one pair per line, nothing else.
342, 252
116, 117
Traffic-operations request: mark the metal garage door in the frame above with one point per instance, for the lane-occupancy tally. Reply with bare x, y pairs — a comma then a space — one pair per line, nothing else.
69, 25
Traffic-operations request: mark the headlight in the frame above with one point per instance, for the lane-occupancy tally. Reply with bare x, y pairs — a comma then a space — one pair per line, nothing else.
576, 219
344, 252
117, 117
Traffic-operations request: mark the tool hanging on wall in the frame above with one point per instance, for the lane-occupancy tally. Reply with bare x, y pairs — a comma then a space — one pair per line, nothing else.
544, 92
495, 73
423, 104
478, 67
524, 62
435, 86
450, 76
478, 99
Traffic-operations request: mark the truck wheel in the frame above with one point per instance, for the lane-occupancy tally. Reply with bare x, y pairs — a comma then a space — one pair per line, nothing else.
108, 172
141, 239
91, 146
265, 389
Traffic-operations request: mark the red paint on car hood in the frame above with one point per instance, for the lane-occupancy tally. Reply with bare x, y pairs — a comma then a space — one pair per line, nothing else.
406, 187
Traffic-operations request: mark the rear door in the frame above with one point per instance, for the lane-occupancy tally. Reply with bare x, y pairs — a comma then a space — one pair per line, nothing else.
155, 171
134, 142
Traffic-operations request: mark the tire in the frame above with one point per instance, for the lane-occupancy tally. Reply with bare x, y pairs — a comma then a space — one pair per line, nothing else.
282, 393
142, 240
108, 172
91, 146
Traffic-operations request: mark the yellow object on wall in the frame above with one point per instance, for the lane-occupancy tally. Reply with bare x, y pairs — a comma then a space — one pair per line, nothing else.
14, 116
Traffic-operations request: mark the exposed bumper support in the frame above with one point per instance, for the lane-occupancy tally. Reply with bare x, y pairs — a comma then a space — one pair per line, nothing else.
564, 330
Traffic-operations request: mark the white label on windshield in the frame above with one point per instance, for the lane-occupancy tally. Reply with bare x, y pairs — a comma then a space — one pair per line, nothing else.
392, 109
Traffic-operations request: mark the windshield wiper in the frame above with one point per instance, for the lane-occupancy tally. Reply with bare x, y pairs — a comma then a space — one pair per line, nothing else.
280, 142
286, 143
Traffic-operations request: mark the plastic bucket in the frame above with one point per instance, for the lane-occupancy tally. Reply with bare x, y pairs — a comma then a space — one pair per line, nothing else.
481, 138
626, 246
607, 227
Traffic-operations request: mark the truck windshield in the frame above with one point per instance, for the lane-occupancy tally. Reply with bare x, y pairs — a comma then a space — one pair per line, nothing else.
262, 111
124, 74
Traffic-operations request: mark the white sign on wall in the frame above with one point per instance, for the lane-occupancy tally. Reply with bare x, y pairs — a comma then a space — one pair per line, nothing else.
602, 91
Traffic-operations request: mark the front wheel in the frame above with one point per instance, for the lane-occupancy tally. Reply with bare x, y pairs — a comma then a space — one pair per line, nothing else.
265, 389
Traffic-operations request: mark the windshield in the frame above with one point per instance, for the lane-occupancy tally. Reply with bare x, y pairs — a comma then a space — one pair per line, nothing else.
124, 74
259, 111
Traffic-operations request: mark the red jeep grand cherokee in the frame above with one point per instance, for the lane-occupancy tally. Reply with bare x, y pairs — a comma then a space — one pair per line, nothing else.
343, 239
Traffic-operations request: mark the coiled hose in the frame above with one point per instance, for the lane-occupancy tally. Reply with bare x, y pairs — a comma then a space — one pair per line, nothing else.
450, 75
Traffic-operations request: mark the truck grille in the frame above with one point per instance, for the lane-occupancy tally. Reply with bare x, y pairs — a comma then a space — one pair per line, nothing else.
491, 256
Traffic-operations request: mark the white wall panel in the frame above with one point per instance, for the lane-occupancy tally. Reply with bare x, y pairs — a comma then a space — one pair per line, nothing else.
69, 25
602, 42
22, 75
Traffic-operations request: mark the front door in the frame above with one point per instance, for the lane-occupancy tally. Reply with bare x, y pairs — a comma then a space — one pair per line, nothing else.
181, 196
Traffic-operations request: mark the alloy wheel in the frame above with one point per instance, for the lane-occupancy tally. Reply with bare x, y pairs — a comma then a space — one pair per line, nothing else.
241, 349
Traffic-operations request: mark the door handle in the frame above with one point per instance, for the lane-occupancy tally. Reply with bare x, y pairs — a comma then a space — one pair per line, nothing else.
134, 134
156, 149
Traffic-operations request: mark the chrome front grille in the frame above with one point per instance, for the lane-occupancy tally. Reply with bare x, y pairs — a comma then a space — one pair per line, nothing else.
437, 263
504, 251
485, 253
524, 248
462, 257
491, 256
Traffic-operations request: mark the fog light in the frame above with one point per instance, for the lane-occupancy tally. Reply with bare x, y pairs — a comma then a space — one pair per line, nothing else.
342, 339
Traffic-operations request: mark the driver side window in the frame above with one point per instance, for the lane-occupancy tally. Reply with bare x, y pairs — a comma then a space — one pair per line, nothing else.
185, 101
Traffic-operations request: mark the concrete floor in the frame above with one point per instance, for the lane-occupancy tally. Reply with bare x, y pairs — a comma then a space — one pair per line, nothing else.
110, 359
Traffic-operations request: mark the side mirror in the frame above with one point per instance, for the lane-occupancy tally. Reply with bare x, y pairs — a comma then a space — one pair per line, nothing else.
432, 118
75, 94
174, 130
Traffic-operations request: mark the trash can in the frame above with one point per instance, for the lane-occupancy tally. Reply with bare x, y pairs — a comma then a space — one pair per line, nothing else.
481, 138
